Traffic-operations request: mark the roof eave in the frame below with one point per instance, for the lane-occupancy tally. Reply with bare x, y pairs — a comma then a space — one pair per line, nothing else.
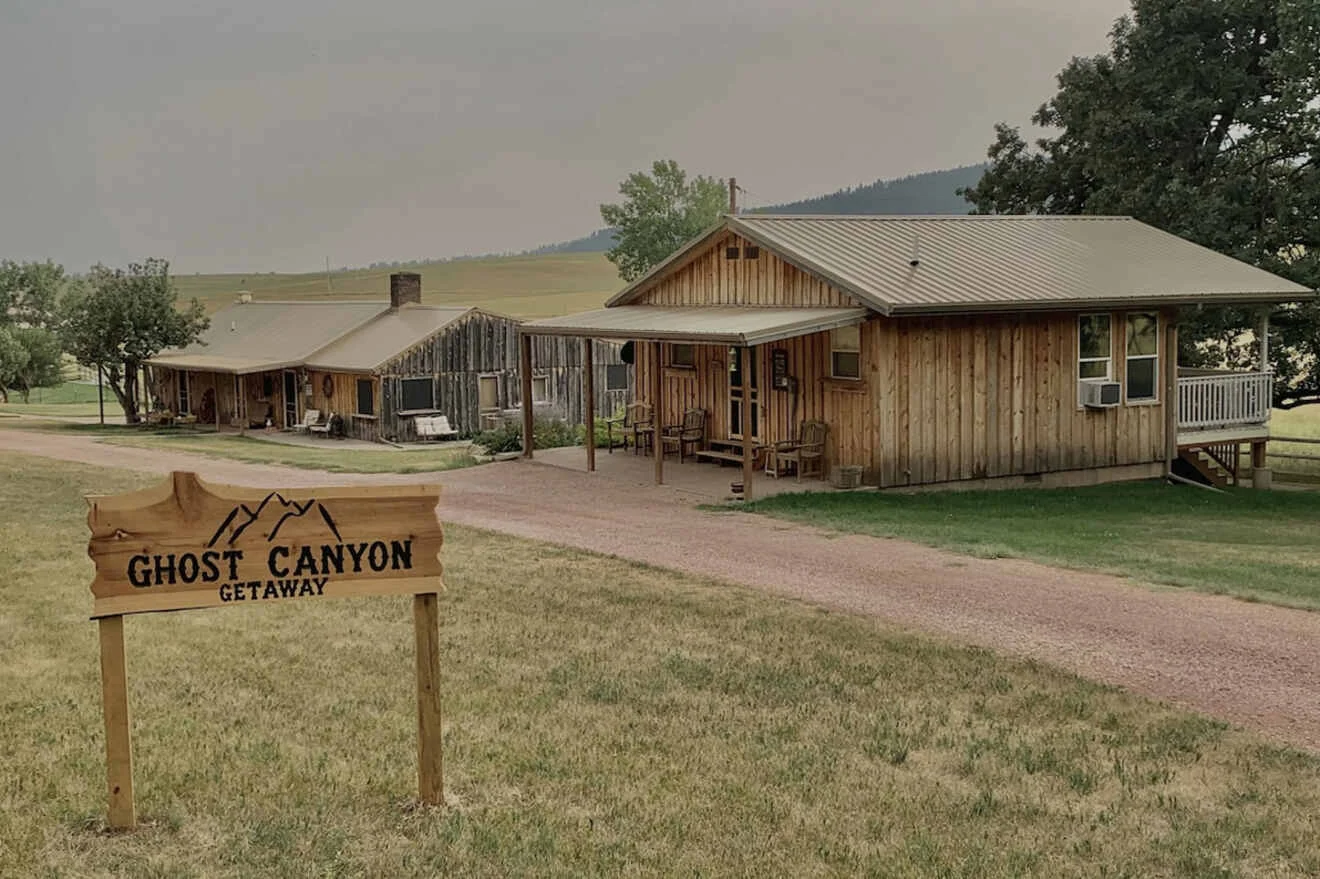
642, 284
1113, 303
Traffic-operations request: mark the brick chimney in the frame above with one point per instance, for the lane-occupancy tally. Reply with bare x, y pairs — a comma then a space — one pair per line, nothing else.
405, 287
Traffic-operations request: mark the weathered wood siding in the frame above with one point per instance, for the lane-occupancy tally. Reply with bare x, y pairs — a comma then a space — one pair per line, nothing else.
940, 399
487, 345
232, 413
710, 278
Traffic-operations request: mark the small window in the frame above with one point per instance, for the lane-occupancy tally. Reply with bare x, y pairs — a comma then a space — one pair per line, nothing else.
418, 393
185, 402
488, 392
731, 253
1095, 351
1143, 356
751, 252
616, 377
366, 397
683, 356
540, 389
846, 352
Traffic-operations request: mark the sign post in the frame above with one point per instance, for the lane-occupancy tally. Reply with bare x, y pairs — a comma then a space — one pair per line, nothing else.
188, 544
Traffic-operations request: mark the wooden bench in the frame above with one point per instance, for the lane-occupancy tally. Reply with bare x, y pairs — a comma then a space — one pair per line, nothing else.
721, 457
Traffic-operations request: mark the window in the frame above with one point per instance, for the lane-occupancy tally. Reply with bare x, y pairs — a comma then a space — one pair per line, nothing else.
731, 252
185, 402
366, 397
683, 356
488, 392
1143, 356
751, 251
846, 352
616, 377
418, 393
540, 389
1094, 349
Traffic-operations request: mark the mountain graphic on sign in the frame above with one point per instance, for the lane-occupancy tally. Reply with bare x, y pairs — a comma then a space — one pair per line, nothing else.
274, 511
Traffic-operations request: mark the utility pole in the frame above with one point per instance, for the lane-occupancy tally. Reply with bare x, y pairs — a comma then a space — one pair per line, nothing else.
329, 285
733, 196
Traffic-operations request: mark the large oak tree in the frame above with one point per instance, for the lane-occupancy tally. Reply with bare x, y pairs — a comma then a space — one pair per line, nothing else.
1204, 120
659, 213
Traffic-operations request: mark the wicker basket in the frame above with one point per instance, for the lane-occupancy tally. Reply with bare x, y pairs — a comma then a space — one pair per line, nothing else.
846, 475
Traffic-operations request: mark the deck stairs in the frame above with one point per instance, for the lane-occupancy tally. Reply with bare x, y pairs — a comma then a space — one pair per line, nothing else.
1215, 464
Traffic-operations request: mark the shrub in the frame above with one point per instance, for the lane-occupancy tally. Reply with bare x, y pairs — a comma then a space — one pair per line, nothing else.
547, 433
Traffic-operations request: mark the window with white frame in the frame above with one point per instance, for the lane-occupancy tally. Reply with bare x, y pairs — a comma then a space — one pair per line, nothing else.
846, 352
1143, 356
540, 389
1095, 349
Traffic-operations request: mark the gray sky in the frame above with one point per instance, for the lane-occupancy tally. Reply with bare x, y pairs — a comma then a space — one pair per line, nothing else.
255, 136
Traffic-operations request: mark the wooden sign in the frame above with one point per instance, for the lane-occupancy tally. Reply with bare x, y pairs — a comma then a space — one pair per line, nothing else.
191, 544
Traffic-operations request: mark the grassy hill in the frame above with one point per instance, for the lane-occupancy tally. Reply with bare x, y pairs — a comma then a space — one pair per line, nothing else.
523, 286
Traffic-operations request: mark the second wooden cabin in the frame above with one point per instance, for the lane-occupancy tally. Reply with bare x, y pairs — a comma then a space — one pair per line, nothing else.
379, 366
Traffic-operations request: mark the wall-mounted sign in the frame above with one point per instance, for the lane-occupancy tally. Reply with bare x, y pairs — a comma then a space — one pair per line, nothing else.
190, 544
779, 369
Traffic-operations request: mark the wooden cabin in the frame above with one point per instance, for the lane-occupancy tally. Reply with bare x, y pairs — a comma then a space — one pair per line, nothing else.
378, 366
974, 350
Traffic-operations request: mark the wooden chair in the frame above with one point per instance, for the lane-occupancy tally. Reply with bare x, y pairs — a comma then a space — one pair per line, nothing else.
691, 433
640, 422
805, 453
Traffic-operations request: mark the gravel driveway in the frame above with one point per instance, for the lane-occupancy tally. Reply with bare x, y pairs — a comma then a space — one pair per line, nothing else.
1250, 664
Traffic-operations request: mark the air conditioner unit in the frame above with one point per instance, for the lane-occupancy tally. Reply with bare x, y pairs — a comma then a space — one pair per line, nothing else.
1097, 394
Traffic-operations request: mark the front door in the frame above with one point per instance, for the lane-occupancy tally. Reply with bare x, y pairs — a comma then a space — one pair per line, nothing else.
290, 399
736, 394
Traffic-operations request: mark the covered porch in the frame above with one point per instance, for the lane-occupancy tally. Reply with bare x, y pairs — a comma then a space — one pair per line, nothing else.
229, 395
747, 369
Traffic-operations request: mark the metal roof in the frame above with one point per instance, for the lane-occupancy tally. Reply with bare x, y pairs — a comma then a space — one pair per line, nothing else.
725, 325
997, 263
385, 337
259, 336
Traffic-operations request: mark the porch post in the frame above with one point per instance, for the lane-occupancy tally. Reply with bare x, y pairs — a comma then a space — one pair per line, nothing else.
241, 404
657, 412
215, 384
1264, 340
589, 402
525, 374
747, 421
1261, 477
1170, 391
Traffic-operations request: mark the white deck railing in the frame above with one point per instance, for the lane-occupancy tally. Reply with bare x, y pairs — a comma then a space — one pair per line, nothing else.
1212, 402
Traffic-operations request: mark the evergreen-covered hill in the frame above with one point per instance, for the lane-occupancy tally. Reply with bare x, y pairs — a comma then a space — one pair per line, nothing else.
935, 192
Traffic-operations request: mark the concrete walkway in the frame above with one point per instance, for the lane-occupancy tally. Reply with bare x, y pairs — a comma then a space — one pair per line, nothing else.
1251, 664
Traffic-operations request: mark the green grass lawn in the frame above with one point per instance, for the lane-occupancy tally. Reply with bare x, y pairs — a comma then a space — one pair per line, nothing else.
602, 718
71, 399
1257, 545
1304, 423
522, 286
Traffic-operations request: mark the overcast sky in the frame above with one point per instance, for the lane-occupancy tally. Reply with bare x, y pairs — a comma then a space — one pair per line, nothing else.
256, 136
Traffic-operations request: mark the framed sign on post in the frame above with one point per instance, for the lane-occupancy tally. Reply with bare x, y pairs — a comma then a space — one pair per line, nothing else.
779, 369
188, 544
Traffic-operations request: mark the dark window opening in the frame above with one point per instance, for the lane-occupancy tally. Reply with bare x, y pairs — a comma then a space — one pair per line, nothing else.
752, 252
731, 253
418, 393
683, 356
616, 377
366, 397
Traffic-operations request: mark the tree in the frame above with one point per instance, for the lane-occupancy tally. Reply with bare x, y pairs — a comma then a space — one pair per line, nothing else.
13, 358
122, 318
1204, 120
44, 365
29, 291
660, 212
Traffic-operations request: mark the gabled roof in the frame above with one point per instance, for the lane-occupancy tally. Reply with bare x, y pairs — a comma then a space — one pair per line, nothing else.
384, 337
725, 325
995, 263
259, 336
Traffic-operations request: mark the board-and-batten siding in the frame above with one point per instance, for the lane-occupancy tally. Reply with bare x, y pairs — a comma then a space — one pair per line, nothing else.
713, 279
940, 399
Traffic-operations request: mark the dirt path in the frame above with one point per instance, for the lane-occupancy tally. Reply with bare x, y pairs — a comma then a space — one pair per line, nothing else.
1251, 664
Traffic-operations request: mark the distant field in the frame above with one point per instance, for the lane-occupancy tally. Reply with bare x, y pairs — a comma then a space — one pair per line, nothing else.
523, 286
1305, 424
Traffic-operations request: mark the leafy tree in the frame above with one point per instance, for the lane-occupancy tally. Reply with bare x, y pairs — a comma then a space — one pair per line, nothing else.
122, 318
660, 212
44, 364
29, 291
13, 359
1204, 120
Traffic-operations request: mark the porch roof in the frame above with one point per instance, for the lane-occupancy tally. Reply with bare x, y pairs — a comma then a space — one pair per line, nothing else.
723, 325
